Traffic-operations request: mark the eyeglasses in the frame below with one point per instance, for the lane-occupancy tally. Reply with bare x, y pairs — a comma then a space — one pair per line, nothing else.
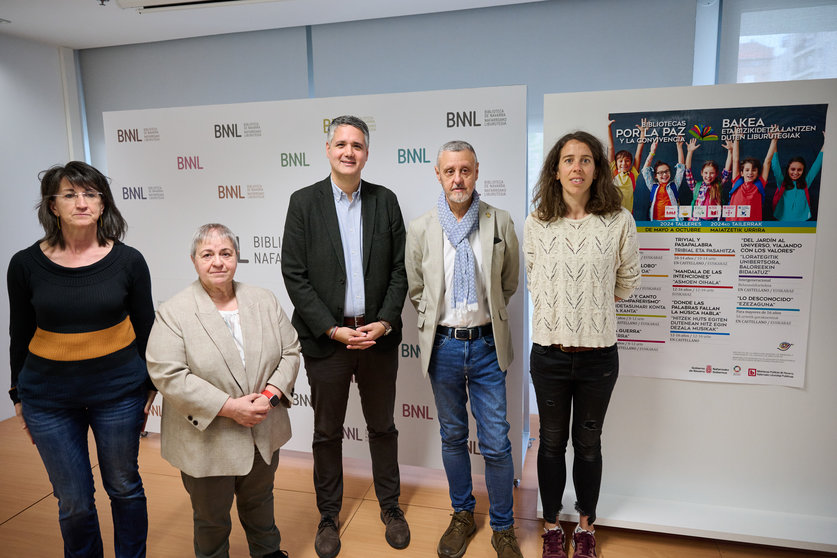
88, 196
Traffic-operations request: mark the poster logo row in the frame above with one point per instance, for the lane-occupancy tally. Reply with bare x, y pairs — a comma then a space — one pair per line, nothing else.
239, 130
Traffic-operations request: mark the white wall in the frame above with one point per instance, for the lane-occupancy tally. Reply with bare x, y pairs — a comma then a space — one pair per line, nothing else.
256, 66
552, 46
34, 137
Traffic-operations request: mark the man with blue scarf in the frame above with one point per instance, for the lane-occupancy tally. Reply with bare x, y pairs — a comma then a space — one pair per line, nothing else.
462, 267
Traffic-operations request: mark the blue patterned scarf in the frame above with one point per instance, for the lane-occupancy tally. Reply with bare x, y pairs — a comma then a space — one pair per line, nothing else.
457, 232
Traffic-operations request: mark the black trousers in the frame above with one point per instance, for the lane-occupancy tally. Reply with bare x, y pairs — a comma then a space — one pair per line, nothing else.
330, 378
580, 383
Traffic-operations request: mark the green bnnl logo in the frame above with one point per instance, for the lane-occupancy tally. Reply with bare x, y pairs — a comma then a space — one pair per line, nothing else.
410, 351
407, 155
297, 159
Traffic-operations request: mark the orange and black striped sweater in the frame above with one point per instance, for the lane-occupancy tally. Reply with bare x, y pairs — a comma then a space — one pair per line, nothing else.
78, 335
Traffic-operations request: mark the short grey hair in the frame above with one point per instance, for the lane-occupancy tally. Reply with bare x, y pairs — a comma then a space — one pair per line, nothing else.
456, 145
348, 120
205, 231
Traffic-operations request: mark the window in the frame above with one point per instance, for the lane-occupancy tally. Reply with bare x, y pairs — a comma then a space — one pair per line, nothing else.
766, 40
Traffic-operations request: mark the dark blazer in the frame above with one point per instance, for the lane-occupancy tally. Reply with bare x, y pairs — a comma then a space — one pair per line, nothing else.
315, 271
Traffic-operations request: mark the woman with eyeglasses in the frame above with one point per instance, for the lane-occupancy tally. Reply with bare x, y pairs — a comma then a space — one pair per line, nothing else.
80, 313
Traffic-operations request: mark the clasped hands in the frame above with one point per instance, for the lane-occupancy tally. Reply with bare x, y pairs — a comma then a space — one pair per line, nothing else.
360, 338
248, 410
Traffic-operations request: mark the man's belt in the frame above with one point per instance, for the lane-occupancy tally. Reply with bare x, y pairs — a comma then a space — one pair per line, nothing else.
465, 333
353, 322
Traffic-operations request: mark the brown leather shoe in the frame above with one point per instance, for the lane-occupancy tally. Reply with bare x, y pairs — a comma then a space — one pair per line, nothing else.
505, 543
398, 532
327, 542
455, 540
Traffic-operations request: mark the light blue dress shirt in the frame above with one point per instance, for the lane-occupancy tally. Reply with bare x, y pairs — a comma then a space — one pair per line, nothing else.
351, 233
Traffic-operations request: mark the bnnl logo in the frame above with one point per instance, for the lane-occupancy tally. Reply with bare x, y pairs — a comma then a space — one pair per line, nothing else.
230, 192
293, 160
133, 193
189, 162
410, 351
407, 155
302, 399
352, 433
416, 411
462, 119
226, 131
131, 135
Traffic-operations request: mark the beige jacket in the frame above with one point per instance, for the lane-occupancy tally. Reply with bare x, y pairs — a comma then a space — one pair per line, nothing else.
425, 264
193, 361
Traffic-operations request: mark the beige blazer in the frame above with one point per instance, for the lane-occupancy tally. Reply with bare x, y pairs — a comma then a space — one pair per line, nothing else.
425, 264
194, 362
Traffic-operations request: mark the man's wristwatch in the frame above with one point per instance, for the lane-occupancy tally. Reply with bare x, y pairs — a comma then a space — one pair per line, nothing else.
272, 398
387, 327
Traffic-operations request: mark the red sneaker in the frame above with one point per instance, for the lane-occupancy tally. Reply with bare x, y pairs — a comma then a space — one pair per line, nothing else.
553, 544
584, 545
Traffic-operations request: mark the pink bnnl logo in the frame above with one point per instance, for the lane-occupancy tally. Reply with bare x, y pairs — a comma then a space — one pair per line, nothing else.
751, 371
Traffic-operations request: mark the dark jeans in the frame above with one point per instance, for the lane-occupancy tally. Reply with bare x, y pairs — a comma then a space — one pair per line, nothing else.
375, 373
582, 382
61, 437
212, 499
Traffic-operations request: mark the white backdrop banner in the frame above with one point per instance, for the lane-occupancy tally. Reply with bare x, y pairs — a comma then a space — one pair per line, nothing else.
726, 288
175, 169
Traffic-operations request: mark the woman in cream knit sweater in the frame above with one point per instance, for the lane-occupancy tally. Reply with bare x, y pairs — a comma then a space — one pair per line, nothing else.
581, 257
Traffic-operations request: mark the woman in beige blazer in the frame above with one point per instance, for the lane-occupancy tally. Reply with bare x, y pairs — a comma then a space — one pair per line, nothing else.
225, 358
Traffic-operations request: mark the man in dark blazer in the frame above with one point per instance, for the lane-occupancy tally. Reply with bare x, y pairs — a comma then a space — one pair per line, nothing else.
343, 265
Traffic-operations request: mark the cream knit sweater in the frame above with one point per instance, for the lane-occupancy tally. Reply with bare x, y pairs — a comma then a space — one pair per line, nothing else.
575, 268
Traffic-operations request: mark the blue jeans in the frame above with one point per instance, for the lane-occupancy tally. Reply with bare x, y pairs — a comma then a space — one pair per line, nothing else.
61, 437
580, 383
457, 369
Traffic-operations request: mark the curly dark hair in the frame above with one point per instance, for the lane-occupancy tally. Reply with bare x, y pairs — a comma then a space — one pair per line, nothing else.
112, 225
548, 199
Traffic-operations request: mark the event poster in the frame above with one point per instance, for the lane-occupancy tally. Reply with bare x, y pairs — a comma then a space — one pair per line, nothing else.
727, 251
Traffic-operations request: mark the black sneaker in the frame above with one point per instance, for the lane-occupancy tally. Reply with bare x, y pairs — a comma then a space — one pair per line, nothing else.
327, 542
398, 532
